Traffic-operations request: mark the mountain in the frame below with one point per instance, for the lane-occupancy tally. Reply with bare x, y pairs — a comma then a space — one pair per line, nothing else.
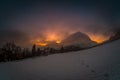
78, 39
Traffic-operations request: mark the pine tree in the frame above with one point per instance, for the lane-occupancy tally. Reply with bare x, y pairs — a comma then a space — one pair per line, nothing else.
34, 50
62, 49
38, 51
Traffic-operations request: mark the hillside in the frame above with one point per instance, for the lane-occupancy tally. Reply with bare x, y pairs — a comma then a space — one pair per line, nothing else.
97, 63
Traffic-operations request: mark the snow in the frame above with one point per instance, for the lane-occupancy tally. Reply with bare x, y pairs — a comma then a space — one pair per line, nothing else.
99, 63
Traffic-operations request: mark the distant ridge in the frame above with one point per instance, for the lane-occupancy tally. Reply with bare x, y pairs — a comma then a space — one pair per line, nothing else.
78, 39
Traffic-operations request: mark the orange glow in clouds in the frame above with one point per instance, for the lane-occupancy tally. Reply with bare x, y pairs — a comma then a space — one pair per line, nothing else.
57, 38
99, 38
52, 37
58, 42
41, 43
49, 38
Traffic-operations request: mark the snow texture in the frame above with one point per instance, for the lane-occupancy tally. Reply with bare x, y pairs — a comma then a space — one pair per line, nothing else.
99, 63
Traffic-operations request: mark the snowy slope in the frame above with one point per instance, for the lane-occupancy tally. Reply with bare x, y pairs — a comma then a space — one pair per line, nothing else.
99, 63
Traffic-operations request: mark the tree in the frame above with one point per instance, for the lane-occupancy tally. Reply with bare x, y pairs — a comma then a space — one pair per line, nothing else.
62, 49
38, 51
34, 50
47, 51
9, 50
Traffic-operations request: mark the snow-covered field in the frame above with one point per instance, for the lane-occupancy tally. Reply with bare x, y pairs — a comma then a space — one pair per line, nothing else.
99, 63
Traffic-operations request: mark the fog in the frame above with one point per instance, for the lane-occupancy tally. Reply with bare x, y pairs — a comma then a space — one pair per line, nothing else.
38, 19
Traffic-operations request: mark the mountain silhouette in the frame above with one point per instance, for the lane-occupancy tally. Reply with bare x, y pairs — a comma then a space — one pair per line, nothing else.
78, 39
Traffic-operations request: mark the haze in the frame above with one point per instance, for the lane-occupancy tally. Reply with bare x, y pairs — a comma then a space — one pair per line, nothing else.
27, 22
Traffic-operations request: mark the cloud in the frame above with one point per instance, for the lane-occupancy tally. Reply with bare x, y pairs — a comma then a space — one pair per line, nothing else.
12, 35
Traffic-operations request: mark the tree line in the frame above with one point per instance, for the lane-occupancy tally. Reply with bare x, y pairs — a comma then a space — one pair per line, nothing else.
11, 52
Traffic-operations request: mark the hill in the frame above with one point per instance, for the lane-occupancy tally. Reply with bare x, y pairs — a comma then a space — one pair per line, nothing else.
78, 39
99, 63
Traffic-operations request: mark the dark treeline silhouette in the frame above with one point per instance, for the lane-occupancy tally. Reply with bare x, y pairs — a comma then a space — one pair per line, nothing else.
11, 52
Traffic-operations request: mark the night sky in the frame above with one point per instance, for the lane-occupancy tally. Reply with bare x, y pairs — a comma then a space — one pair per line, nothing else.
24, 21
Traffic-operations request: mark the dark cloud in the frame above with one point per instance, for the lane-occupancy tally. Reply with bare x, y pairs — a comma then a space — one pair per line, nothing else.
12, 35
31, 17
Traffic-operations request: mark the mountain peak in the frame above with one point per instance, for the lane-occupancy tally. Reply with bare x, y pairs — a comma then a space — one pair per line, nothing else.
79, 35
79, 39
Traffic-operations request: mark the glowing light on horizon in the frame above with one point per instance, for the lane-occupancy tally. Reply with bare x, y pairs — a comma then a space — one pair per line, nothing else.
46, 41
38, 42
57, 37
58, 42
41, 44
52, 37
99, 38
